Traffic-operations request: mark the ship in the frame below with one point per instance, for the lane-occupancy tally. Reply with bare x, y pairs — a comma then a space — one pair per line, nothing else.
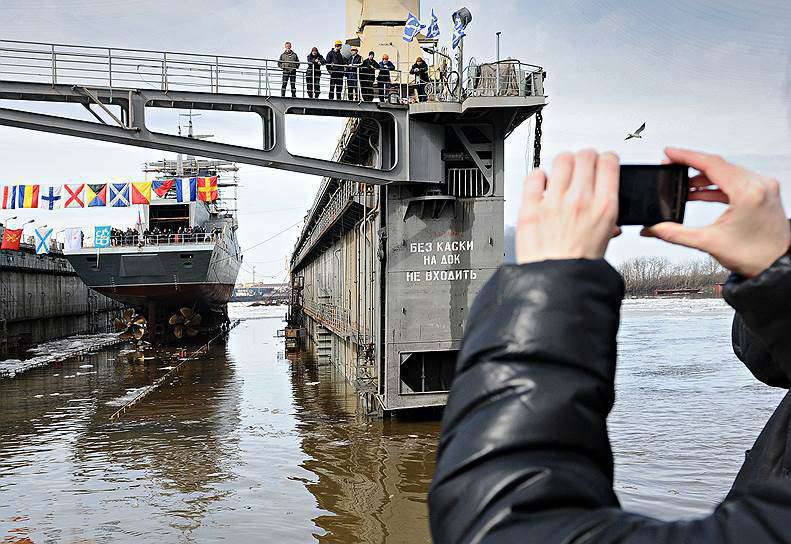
177, 270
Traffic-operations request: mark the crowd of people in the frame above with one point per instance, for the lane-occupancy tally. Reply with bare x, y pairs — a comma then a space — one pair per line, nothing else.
157, 235
365, 78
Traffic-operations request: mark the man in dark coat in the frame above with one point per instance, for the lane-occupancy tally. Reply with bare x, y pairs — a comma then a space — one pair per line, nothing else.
367, 74
524, 454
336, 66
383, 80
313, 73
420, 71
352, 74
289, 62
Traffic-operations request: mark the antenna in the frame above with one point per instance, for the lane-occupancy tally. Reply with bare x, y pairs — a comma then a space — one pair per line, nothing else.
190, 134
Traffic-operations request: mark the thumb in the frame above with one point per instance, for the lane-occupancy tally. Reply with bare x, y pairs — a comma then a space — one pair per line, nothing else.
676, 233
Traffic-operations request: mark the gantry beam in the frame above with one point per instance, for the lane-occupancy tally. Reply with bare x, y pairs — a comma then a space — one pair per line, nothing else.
393, 121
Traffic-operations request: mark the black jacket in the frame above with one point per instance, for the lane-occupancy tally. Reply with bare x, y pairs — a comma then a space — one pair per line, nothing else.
315, 63
354, 63
368, 68
384, 72
335, 61
524, 454
420, 71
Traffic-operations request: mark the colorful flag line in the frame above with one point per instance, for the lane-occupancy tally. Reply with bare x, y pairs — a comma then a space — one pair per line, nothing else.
113, 195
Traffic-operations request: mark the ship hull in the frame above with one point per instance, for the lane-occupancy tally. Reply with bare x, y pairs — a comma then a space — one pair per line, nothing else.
159, 280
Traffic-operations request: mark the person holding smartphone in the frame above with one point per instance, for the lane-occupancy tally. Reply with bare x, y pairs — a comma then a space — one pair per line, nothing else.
524, 454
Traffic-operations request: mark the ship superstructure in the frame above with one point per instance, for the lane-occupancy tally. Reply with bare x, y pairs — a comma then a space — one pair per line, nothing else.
182, 259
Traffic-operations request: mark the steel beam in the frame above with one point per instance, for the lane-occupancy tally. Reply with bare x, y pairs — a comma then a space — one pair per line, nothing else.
271, 109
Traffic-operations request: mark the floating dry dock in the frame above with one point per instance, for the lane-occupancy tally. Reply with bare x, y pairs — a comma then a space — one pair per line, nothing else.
408, 223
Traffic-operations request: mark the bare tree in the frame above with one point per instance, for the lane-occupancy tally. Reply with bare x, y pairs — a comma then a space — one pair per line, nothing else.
643, 276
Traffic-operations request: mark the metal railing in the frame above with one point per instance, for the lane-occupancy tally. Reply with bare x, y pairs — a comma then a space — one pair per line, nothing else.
467, 183
507, 78
162, 239
122, 68
329, 315
329, 214
111, 67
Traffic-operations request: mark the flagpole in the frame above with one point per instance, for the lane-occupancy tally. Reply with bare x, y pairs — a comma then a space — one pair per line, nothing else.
498, 64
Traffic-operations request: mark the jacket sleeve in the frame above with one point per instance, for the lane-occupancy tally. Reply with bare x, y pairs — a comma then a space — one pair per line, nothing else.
524, 454
762, 323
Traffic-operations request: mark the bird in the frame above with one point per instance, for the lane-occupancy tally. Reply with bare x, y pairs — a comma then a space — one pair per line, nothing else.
636, 133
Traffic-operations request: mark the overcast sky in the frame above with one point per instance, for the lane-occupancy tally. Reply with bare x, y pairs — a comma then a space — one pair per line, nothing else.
709, 74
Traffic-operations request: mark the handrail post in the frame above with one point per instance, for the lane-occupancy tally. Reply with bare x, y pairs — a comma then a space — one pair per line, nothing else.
217, 80
163, 72
54, 66
259, 81
110, 65
266, 78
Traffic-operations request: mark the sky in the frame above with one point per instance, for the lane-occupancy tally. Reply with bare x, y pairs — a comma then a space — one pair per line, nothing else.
713, 75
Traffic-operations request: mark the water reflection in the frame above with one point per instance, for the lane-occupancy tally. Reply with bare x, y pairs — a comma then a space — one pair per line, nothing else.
63, 462
246, 446
372, 474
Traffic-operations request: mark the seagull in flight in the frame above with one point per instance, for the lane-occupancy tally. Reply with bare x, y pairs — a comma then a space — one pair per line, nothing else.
636, 133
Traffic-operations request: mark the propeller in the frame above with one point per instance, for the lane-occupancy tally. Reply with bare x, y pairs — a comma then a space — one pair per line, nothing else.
131, 325
184, 322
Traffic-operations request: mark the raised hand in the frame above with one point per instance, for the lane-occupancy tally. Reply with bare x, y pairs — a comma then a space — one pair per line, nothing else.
751, 234
570, 214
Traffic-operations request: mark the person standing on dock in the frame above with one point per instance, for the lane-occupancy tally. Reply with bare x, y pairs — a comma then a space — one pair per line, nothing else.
367, 76
335, 66
524, 452
420, 71
353, 74
383, 80
289, 62
313, 73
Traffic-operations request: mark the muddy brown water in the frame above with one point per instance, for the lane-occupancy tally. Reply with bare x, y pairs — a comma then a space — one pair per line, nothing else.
246, 446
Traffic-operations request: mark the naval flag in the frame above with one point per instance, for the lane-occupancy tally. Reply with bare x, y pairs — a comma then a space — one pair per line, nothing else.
433, 28
141, 192
11, 239
73, 239
43, 240
95, 195
75, 195
186, 189
161, 187
49, 199
101, 236
458, 31
9, 197
119, 195
412, 27
27, 196
207, 189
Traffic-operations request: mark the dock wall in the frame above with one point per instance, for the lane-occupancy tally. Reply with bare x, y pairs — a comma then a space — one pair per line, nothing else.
41, 298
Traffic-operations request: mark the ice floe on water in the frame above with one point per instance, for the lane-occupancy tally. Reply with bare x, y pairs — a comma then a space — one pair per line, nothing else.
246, 310
55, 351
126, 397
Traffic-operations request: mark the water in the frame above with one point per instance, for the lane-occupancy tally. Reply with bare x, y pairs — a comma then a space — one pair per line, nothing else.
246, 446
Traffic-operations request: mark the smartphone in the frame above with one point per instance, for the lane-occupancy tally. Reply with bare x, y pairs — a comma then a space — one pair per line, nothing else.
652, 193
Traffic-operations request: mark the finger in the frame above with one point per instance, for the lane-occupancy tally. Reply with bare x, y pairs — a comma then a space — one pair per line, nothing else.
581, 186
607, 176
676, 233
534, 187
616, 232
701, 181
560, 177
727, 176
709, 196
